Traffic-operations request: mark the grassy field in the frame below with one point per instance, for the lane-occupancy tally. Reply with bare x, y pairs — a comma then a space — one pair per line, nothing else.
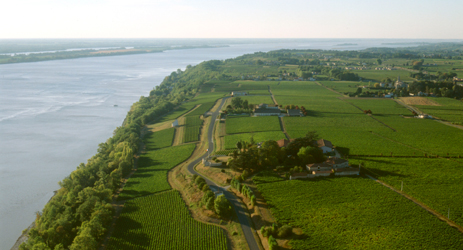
151, 174
435, 182
451, 109
159, 139
231, 140
380, 106
355, 213
162, 221
251, 124
427, 135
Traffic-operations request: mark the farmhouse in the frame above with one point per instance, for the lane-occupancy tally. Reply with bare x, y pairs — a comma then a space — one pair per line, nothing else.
266, 112
294, 112
346, 171
267, 106
325, 145
175, 123
284, 142
235, 93
399, 84
324, 166
338, 162
321, 173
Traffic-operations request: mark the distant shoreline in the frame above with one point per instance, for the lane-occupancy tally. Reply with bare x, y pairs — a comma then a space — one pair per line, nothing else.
63, 55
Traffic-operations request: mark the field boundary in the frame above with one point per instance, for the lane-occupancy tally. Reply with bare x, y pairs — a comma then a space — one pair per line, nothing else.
430, 210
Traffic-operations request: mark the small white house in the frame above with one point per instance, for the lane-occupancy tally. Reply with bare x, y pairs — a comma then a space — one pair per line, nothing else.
235, 93
175, 123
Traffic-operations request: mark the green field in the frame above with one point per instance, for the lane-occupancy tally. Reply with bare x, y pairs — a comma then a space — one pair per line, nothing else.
355, 213
435, 182
162, 221
251, 124
451, 109
257, 99
192, 128
159, 139
151, 174
231, 140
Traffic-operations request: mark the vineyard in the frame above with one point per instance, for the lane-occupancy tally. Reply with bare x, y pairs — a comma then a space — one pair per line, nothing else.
151, 174
435, 182
192, 128
355, 213
252, 124
231, 140
162, 221
451, 109
159, 139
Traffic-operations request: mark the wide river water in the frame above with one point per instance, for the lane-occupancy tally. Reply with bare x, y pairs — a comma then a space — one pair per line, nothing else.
53, 115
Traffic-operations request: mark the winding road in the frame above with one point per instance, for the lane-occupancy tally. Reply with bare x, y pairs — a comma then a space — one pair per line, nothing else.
240, 211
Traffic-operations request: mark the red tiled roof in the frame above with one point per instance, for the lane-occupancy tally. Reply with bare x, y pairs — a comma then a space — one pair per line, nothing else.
284, 142
323, 142
335, 161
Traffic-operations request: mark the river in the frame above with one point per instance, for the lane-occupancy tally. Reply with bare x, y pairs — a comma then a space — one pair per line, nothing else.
53, 115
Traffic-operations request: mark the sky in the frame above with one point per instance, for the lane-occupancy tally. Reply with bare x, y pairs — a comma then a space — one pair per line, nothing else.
414, 19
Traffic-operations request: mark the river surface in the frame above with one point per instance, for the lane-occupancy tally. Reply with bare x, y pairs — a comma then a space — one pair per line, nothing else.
53, 115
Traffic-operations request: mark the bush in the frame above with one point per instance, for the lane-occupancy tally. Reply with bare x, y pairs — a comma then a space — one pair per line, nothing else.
284, 231
272, 243
205, 188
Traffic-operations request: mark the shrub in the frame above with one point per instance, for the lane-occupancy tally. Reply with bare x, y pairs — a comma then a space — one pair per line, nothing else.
272, 243
284, 231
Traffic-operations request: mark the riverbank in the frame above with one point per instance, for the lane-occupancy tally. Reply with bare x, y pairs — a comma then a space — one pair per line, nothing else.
22, 57
25, 232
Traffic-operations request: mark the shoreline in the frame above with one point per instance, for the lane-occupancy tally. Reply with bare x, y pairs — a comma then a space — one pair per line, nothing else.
24, 234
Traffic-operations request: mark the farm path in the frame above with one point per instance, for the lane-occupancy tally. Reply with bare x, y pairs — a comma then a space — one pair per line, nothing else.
411, 108
430, 210
239, 208
329, 88
282, 123
372, 117
271, 94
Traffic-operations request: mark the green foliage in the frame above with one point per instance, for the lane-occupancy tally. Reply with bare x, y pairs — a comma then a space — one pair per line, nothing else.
272, 243
386, 219
222, 206
151, 174
162, 221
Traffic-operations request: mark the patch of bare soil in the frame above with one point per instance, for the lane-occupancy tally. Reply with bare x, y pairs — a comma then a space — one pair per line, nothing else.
419, 101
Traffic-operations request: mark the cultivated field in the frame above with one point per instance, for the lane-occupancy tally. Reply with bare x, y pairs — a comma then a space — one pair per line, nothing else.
231, 140
151, 174
159, 139
251, 124
355, 213
162, 221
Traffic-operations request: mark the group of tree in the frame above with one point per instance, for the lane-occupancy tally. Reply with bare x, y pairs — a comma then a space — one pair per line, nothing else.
300, 151
220, 205
239, 106
438, 88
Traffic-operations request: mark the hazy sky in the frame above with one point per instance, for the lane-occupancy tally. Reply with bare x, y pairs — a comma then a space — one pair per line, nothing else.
440, 19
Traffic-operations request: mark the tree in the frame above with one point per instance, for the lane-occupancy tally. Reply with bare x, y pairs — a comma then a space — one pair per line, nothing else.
377, 85
379, 61
245, 104
222, 206
239, 145
237, 102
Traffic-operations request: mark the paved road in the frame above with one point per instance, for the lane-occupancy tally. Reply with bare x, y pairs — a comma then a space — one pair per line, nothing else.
242, 217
